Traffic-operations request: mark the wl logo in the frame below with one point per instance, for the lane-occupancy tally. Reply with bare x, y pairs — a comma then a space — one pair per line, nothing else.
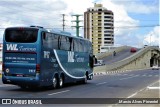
70, 56
12, 47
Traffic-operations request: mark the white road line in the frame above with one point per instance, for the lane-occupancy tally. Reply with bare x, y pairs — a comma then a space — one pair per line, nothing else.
149, 75
142, 90
132, 95
157, 75
131, 75
101, 83
128, 77
154, 88
59, 92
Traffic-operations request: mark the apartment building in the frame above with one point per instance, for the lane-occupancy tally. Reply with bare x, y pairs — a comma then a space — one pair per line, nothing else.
99, 27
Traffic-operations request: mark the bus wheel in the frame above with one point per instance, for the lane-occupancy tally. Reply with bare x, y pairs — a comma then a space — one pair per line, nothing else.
54, 82
61, 82
85, 80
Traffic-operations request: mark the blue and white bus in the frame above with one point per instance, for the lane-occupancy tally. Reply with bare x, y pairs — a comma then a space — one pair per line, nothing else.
33, 56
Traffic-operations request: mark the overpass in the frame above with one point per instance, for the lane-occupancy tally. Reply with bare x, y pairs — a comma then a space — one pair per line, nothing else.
144, 58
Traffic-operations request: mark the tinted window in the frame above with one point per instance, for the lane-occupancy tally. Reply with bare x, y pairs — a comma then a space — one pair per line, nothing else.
21, 35
76, 45
50, 40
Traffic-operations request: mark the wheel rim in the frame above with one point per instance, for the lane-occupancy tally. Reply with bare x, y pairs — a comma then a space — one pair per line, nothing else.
61, 82
54, 82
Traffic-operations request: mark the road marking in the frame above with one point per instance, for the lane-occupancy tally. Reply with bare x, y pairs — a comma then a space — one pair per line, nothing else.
131, 75
143, 89
157, 75
59, 92
101, 83
144, 75
154, 88
132, 95
128, 77
6, 85
149, 75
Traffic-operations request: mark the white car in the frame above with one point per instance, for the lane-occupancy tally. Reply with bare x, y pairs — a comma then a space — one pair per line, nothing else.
155, 67
99, 63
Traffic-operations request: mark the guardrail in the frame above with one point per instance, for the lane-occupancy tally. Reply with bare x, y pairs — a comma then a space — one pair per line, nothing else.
117, 65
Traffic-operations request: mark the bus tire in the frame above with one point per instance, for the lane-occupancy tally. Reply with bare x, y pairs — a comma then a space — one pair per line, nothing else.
61, 82
54, 82
85, 80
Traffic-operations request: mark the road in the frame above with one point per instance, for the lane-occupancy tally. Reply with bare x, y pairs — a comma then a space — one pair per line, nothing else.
119, 56
121, 85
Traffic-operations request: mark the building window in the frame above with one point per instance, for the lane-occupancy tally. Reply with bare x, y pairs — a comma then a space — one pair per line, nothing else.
99, 9
107, 38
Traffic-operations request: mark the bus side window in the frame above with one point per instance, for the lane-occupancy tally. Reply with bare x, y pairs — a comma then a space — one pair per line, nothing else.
43, 35
81, 46
85, 46
76, 45
55, 41
59, 42
71, 44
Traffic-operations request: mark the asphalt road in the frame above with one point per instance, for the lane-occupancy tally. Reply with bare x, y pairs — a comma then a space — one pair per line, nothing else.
119, 56
122, 85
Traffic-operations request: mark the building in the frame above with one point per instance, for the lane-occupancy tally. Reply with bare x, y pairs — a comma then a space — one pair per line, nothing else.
99, 27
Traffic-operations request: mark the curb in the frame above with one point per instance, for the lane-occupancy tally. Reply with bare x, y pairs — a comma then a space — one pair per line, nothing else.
114, 72
108, 72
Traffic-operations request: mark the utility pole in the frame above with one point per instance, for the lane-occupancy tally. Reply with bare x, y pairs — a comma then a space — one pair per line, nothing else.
63, 25
77, 24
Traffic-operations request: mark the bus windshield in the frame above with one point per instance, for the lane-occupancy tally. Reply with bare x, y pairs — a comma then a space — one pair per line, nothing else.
21, 35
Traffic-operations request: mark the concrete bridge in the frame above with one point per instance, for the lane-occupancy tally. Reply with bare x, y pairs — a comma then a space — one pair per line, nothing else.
144, 58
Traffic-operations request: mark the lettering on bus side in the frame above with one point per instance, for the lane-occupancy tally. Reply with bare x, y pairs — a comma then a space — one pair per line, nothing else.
70, 56
46, 54
12, 47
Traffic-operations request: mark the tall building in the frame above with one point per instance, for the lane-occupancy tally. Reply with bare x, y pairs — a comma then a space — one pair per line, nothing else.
99, 27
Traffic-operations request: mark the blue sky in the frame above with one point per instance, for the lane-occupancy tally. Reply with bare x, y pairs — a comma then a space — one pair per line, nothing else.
136, 21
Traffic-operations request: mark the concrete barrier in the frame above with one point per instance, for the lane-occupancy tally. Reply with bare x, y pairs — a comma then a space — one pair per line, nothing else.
138, 60
102, 55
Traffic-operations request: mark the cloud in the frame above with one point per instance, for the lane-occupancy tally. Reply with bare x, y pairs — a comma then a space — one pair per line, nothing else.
43, 12
47, 13
122, 21
140, 7
152, 38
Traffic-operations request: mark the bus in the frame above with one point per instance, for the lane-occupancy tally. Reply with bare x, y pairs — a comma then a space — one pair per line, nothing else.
36, 57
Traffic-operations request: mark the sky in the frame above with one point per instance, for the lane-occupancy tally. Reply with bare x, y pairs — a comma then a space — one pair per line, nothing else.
136, 22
